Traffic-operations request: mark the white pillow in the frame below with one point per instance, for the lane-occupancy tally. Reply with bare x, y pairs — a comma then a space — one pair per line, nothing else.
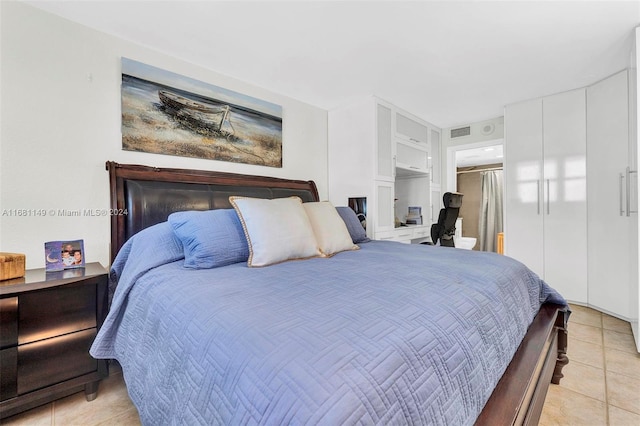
329, 228
276, 230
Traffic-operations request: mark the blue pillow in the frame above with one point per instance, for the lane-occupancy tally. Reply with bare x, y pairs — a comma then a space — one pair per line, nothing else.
210, 238
357, 232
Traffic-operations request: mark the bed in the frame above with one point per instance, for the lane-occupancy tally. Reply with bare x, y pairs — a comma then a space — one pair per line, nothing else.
384, 333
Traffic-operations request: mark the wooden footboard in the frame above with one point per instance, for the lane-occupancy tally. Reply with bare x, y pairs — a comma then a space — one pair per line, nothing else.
519, 396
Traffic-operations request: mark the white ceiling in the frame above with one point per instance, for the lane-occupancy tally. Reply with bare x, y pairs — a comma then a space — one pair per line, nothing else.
449, 62
479, 156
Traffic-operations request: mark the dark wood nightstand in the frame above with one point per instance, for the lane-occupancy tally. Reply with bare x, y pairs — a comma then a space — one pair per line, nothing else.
48, 321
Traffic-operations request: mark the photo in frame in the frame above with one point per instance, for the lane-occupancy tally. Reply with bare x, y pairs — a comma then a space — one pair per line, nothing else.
60, 255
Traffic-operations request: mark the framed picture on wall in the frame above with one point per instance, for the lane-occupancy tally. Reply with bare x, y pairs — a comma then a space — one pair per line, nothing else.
172, 114
66, 254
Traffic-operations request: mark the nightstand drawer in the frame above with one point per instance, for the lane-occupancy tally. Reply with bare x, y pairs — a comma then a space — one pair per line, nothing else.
8, 322
56, 311
51, 361
8, 373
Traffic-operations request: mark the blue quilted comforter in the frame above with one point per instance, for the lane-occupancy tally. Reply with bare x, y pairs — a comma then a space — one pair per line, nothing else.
388, 334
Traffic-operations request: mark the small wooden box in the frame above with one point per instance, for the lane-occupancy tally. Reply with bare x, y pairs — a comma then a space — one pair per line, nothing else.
11, 265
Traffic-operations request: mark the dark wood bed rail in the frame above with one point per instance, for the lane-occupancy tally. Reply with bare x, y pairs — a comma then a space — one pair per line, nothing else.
520, 394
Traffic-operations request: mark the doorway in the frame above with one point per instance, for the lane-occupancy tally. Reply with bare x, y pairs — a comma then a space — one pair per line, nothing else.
475, 170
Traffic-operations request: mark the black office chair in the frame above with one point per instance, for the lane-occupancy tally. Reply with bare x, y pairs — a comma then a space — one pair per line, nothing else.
446, 226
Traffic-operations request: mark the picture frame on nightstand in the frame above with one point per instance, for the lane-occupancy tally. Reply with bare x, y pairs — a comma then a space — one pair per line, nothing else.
61, 255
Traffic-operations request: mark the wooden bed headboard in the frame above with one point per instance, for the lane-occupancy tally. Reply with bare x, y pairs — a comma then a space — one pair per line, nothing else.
142, 196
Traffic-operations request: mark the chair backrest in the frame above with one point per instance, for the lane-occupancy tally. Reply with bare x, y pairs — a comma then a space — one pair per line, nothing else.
444, 229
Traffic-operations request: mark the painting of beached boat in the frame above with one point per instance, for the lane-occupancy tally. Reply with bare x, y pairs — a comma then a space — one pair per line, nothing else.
167, 113
199, 115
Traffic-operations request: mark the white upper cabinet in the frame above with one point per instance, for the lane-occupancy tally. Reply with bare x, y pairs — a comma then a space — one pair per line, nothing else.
413, 146
411, 157
411, 128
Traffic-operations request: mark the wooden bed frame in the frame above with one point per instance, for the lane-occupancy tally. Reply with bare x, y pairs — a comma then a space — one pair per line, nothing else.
142, 196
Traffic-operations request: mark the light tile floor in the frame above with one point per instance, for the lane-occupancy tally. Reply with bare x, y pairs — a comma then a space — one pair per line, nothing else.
601, 384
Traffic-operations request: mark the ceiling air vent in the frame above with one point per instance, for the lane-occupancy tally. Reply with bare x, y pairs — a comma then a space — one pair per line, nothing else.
460, 131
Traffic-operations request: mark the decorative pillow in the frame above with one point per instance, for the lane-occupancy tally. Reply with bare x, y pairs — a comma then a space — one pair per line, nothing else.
329, 228
276, 230
210, 238
357, 232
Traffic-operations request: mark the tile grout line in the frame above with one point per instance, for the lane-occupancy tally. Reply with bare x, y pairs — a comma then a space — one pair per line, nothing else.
604, 367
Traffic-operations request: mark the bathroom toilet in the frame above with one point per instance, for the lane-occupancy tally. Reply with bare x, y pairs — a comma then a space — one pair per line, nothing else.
465, 243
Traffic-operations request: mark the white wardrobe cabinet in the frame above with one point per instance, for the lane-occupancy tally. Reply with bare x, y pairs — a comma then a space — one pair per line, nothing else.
524, 232
565, 193
379, 152
362, 159
384, 218
546, 206
434, 160
385, 153
609, 195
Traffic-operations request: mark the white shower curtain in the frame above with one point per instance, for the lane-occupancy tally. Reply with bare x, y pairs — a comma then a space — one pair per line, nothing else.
491, 210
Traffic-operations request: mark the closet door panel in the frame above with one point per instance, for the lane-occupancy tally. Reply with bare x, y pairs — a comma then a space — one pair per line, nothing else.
384, 220
385, 169
608, 224
523, 171
565, 194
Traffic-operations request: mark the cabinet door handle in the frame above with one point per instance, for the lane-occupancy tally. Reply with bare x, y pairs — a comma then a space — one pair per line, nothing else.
621, 193
548, 197
629, 172
628, 192
538, 193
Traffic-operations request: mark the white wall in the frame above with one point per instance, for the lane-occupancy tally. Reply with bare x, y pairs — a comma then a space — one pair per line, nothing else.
60, 123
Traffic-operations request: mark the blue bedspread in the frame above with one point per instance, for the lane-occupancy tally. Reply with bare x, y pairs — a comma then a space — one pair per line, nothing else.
388, 334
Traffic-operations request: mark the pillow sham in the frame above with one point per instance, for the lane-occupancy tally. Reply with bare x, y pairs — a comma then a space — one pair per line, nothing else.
276, 230
210, 238
330, 230
357, 232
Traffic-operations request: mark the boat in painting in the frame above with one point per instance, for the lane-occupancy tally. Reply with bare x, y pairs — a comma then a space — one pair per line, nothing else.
200, 116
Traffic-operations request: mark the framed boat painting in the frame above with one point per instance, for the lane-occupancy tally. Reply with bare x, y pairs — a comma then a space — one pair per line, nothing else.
167, 113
